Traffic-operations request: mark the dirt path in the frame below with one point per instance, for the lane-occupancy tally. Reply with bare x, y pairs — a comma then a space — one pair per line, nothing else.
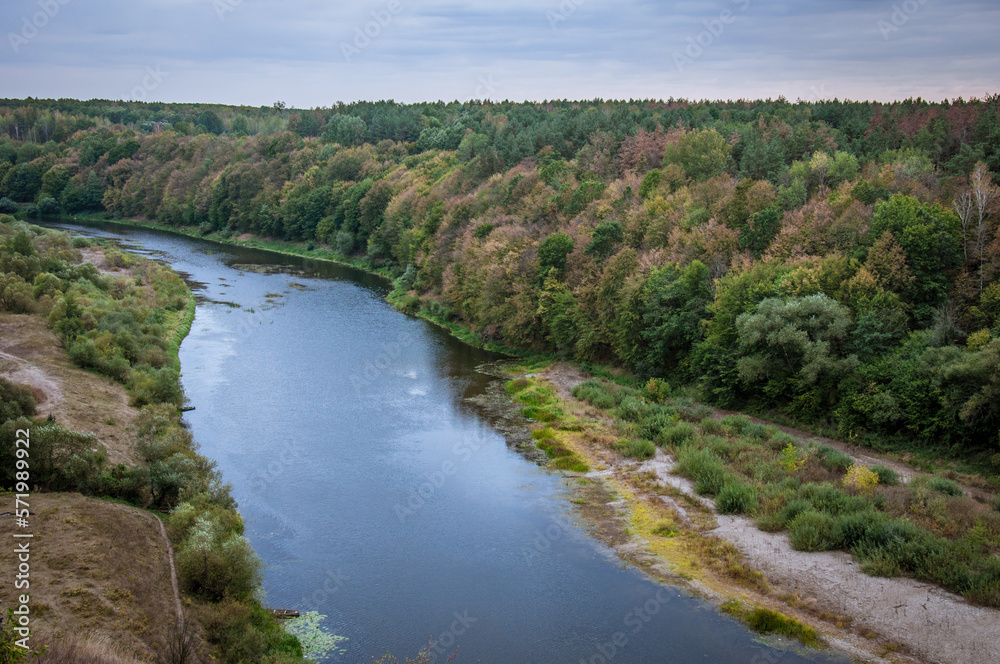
44, 386
925, 620
173, 577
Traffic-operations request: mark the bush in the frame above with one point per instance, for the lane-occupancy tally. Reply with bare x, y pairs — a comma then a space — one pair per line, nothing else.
765, 621
640, 449
886, 476
996, 502
595, 393
815, 531
832, 500
833, 459
945, 486
737, 498
735, 424
792, 509
755, 431
711, 426
677, 434
655, 420
216, 564
7, 206
15, 401
705, 468
633, 408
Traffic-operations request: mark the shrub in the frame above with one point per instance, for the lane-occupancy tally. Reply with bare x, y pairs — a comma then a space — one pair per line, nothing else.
655, 420
633, 409
737, 498
832, 500
640, 449
860, 478
886, 476
996, 502
833, 459
815, 531
792, 509
735, 424
15, 401
677, 434
7, 206
755, 431
765, 621
705, 468
712, 426
780, 441
216, 564
595, 393
945, 486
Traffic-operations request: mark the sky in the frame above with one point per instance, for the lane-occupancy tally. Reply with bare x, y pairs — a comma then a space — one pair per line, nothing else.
314, 53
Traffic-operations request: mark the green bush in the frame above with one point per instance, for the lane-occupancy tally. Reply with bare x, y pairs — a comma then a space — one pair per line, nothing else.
705, 468
886, 476
656, 419
677, 434
594, 393
765, 621
735, 424
791, 510
996, 502
781, 440
815, 531
832, 500
945, 486
711, 426
15, 401
215, 563
833, 459
737, 498
640, 449
755, 431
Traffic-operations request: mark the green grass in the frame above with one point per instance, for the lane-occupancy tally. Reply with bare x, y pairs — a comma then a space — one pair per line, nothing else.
886, 476
766, 621
639, 449
736, 497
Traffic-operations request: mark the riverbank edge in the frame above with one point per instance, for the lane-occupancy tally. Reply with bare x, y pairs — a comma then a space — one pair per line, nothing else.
180, 324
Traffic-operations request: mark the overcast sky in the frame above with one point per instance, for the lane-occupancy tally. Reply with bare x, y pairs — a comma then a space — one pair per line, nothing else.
315, 52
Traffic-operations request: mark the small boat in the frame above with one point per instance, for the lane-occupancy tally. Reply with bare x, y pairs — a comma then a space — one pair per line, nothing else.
283, 614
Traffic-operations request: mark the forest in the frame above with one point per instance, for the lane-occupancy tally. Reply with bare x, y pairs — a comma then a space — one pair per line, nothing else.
833, 263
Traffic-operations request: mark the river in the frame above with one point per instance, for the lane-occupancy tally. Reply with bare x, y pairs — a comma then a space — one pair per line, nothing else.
378, 494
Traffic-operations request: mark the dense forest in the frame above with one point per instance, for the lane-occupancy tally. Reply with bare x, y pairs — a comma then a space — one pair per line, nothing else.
836, 262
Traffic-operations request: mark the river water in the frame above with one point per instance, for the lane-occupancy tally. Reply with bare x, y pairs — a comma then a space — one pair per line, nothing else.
379, 495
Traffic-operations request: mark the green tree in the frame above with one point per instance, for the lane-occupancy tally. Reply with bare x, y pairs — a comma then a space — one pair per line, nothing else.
552, 252
700, 153
792, 350
676, 302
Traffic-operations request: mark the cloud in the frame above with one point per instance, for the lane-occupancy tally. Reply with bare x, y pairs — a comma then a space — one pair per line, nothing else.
312, 53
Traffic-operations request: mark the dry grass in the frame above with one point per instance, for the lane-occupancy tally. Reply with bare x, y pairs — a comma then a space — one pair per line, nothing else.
79, 650
98, 570
31, 354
